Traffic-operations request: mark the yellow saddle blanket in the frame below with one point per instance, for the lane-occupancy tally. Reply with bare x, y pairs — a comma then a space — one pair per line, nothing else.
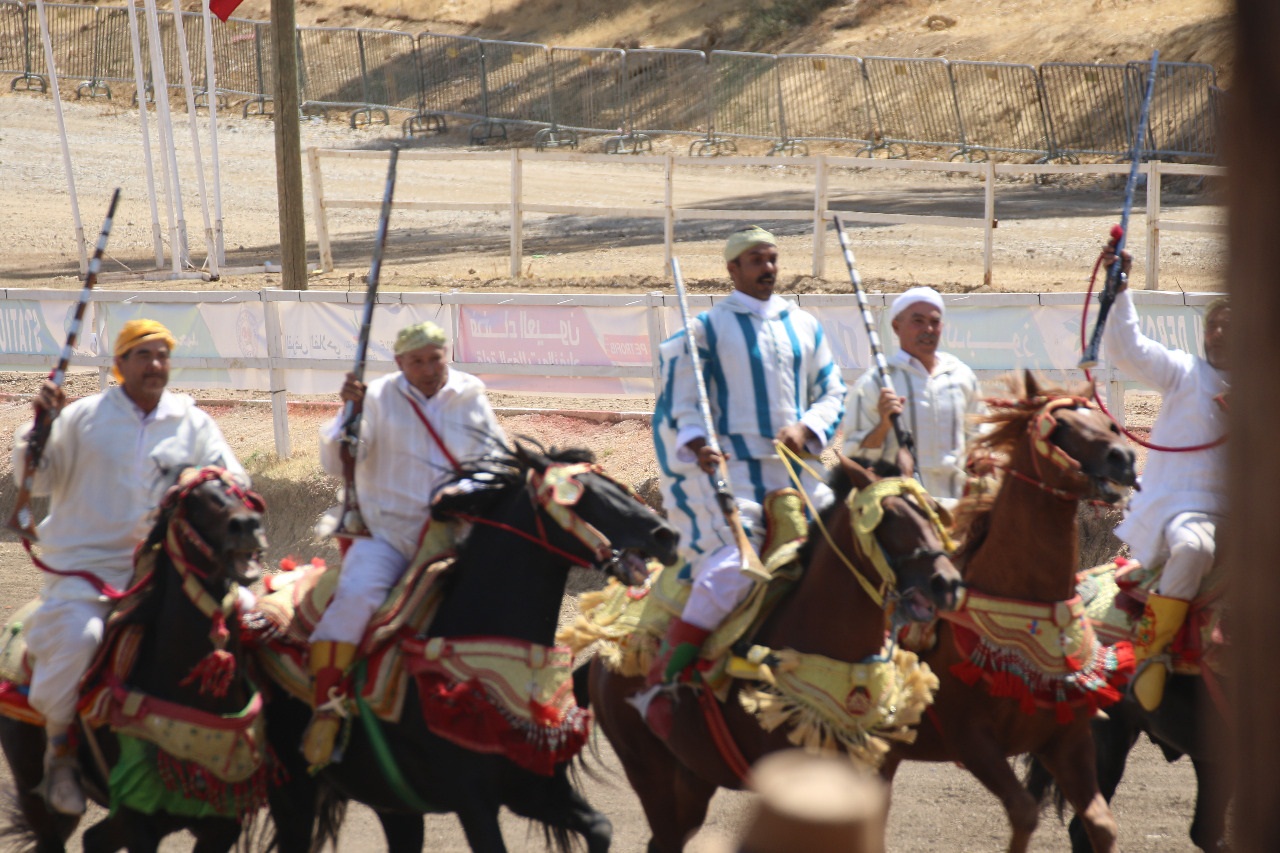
629, 622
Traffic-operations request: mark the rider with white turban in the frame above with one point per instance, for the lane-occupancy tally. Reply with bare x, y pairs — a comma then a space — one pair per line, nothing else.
103, 465
937, 397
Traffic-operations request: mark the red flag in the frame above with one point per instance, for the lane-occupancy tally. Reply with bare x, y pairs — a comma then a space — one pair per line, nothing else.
223, 8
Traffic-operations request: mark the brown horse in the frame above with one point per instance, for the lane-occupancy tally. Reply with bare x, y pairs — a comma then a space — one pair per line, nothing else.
1019, 560
828, 613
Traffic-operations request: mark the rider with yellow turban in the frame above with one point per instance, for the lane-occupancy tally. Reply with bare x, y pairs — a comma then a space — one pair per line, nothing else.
105, 465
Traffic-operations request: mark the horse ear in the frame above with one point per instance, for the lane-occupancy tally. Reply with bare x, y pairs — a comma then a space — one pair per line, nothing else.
527, 456
1031, 386
906, 462
859, 476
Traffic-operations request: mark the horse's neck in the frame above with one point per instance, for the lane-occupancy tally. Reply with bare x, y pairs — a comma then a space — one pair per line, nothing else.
1031, 550
503, 585
175, 641
829, 613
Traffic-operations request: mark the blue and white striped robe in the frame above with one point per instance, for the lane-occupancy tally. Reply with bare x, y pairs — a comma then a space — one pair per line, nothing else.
767, 365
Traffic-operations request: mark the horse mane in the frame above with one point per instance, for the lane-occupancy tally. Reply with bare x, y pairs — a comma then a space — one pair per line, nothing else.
489, 477
1008, 420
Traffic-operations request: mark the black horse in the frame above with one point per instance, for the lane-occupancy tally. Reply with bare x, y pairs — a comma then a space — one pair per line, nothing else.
1181, 726
508, 581
205, 544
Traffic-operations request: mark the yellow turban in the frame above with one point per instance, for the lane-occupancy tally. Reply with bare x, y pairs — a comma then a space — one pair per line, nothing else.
740, 241
424, 334
137, 332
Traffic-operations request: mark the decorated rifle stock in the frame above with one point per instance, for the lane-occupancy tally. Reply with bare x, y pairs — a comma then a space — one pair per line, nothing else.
23, 519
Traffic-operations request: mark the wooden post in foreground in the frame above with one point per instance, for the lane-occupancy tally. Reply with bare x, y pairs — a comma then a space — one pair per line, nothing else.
293, 229
1253, 541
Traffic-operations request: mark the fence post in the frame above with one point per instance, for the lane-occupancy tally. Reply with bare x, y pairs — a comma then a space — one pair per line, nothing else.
1153, 224
318, 212
276, 375
657, 334
669, 212
1115, 397
820, 217
517, 213
989, 221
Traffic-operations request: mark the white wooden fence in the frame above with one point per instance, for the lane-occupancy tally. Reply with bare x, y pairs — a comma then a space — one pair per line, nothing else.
517, 206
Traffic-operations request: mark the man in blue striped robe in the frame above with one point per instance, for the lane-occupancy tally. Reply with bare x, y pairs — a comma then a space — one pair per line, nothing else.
770, 376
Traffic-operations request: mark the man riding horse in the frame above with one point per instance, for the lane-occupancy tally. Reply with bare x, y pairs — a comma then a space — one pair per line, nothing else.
1174, 519
417, 425
770, 375
104, 457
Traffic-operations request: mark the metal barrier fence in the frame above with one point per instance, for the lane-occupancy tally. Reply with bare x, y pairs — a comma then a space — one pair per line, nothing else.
970, 110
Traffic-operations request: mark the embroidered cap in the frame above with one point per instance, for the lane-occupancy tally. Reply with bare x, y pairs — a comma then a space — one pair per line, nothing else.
740, 241
424, 334
910, 297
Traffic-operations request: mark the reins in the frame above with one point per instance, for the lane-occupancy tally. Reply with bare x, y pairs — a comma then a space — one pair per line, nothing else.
866, 512
1088, 374
554, 491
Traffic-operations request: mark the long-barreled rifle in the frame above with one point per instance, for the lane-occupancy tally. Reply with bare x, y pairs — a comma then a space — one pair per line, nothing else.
905, 440
1089, 358
720, 479
23, 519
351, 522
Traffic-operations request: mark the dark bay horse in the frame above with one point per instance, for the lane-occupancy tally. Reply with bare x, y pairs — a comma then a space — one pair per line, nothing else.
1020, 557
1182, 725
205, 544
508, 582
828, 613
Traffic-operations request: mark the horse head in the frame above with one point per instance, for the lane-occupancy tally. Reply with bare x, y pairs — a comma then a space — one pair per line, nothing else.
211, 524
594, 520
1074, 449
902, 531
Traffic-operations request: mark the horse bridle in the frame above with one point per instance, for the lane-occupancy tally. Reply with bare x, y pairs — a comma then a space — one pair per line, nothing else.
866, 512
556, 490
1039, 433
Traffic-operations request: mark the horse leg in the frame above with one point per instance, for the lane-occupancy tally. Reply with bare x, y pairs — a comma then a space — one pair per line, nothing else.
1213, 795
1114, 738
404, 832
215, 834
984, 758
1073, 764
555, 803
124, 830
480, 824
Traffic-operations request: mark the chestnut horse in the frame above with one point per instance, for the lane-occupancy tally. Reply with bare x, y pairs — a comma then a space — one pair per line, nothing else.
206, 541
827, 613
1020, 551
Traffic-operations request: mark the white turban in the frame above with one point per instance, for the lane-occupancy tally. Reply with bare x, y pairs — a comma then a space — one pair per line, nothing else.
912, 296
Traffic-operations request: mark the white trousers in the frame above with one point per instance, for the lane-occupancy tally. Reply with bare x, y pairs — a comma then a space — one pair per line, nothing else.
1188, 549
369, 570
63, 635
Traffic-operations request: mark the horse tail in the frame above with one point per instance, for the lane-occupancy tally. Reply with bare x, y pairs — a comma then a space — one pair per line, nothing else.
16, 832
1041, 785
331, 811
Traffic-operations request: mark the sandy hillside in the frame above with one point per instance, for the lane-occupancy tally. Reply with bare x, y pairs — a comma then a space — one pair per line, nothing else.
1031, 31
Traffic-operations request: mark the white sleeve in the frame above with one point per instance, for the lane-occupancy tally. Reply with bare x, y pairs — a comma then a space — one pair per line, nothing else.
1146, 360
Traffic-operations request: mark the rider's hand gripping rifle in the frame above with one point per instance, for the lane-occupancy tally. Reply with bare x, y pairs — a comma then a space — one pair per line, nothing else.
350, 521
751, 564
23, 520
1089, 358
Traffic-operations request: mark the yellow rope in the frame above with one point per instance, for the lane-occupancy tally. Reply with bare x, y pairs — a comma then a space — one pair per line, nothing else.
789, 458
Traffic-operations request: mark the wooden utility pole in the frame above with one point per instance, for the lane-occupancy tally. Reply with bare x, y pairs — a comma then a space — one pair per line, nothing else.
1253, 543
293, 229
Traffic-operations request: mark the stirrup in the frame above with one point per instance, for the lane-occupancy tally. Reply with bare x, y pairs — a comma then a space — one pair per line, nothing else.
320, 746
